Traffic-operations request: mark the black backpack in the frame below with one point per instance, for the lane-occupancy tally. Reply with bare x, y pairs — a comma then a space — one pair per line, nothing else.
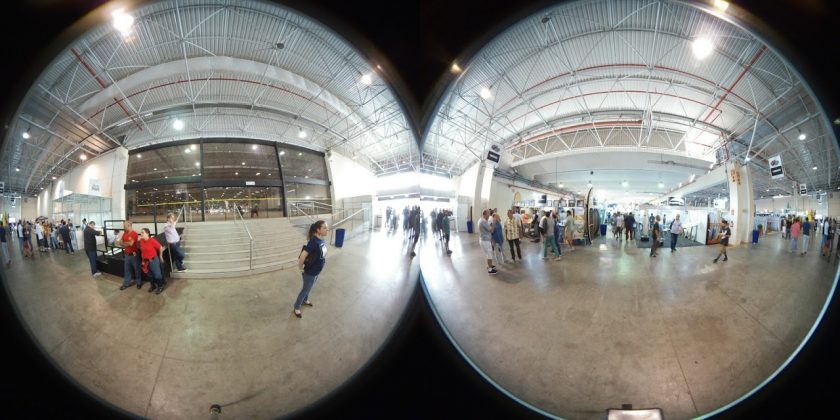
310, 258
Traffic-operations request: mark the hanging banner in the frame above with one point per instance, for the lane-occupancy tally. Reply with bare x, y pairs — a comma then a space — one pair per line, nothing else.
776, 171
802, 189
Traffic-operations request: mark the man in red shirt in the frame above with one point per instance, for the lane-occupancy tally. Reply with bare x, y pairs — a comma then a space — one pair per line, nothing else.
132, 258
151, 254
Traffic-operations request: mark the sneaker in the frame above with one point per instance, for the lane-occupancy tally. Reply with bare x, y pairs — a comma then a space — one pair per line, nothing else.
123, 287
714, 260
298, 313
97, 274
181, 270
413, 254
448, 252
139, 285
725, 259
557, 259
159, 290
492, 271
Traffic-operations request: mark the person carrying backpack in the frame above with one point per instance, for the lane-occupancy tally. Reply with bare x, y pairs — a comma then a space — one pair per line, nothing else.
311, 261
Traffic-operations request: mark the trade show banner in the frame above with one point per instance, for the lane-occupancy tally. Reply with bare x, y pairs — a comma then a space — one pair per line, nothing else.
776, 170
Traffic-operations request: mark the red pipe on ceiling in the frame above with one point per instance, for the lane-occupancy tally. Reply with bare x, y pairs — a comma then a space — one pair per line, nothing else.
102, 84
743, 72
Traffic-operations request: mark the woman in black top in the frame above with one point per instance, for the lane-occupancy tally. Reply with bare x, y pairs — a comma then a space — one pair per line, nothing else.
316, 250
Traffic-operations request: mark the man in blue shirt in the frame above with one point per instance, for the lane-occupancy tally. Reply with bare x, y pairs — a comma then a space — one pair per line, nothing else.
4, 246
806, 234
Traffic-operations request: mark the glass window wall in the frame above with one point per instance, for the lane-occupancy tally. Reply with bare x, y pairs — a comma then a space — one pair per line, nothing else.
254, 202
224, 161
163, 163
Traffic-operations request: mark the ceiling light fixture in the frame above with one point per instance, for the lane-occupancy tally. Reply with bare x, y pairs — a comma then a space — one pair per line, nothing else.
661, 185
154, 169
301, 133
560, 185
193, 147
254, 147
187, 150
802, 136
26, 134
814, 168
485, 93
53, 178
623, 183
455, 69
83, 156
747, 159
17, 169
721, 5
243, 163
139, 156
178, 124
122, 22
366, 79
702, 48
197, 164
300, 153
282, 152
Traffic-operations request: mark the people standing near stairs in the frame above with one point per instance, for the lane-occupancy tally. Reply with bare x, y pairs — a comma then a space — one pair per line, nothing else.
131, 265
311, 262
90, 247
151, 254
174, 241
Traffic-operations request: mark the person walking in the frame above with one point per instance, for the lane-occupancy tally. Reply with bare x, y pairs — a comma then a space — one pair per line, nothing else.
39, 235
4, 246
19, 231
444, 221
655, 233
174, 241
90, 247
570, 230
498, 239
619, 225
826, 239
311, 262
724, 234
794, 234
676, 231
131, 264
485, 239
547, 231
630, 227
151, 254
806, 235
512, 235
64, 231
558, 232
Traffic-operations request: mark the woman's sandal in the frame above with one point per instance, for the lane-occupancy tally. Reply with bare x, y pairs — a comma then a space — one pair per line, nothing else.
298, 313
308, 303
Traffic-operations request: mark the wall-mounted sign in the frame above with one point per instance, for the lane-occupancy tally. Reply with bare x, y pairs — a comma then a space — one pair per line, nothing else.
776, 171
250, 183
493, 156
94, 188
802, 189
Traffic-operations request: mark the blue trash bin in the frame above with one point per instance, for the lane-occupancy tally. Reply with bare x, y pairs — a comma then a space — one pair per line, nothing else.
603, 230
755, 236
339, 237
469, 226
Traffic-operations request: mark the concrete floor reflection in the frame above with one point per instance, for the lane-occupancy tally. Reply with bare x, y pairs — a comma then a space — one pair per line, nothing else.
233, 342
608, 325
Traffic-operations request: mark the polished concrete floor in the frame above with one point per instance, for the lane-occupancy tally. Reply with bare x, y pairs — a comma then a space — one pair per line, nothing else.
233, 342
608, 325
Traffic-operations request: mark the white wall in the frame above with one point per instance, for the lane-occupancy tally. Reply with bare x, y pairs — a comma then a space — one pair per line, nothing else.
28, 208
349, 178
110, 169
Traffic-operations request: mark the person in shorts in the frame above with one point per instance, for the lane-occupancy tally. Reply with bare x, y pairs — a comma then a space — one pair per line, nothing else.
725, 233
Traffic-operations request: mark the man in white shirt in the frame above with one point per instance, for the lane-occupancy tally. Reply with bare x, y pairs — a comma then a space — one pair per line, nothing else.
676, 230
485, 231
39, 232
173, 239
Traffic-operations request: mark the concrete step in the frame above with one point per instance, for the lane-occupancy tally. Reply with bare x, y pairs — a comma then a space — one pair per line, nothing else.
240, 235
216, 244
236, 270
215, 264
219, 255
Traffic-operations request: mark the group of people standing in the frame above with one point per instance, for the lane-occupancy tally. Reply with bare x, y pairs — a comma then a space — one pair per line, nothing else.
49, 236
492, 234
440, 221
142, 254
